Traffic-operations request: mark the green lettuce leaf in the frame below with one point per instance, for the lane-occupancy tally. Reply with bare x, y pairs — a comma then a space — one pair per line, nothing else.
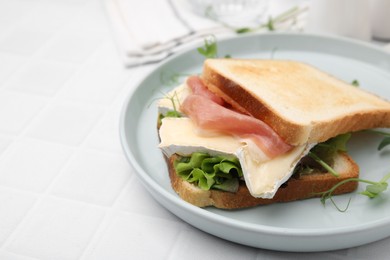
210, 172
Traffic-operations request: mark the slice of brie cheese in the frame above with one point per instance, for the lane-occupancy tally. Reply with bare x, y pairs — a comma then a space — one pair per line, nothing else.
180, 136
262, 176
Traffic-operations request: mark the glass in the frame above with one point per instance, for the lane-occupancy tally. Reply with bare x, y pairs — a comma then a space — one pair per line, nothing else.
232, 12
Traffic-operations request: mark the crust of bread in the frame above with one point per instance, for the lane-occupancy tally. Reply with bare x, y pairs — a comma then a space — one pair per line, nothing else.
319, 108
296, 188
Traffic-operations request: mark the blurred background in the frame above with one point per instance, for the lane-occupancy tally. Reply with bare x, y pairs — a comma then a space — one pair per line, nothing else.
66, 68
176, 22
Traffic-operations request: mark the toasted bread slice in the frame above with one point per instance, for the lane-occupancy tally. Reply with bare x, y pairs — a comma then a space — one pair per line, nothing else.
296, 188
301, 103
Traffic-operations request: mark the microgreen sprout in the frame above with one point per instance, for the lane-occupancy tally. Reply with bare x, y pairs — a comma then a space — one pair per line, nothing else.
272, 22
355, 83
323, 164
175, 101
373, 189
210, 49
385, 141
172, 98
323, 153
171, 113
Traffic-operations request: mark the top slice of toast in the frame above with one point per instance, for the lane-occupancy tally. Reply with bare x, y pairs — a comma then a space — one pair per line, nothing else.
301, 103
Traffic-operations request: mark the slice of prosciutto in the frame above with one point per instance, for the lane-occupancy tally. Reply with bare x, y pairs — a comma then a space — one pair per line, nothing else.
198, 88
208, 113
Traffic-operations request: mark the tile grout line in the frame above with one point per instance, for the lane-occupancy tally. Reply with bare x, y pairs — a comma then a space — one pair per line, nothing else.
175, 245
22, 134
15, 25
39, 201
19, 255
114, 207
105, 223
46, 193
50, 100
39, 50
40, 197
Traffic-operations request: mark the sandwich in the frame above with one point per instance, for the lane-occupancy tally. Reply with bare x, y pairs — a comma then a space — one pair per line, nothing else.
255, 132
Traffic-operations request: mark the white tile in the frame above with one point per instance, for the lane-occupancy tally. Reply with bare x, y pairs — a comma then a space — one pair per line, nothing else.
99, 82
137, 199
65, 123
93, 19
50, 16
56, 229
208, 247
12, 256
72, 47
4, 143
5, 28
9, 63
12, 13
136, 237
41, 77
13, 207
17, 110
93, 177
105, 135
24, 41
135, 76
32, 164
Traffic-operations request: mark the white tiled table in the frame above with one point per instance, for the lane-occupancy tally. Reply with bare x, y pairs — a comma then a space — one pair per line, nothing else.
66, 190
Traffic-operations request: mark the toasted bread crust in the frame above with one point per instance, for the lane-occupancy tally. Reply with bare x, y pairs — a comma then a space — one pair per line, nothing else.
333, 106
290, 132
303, 187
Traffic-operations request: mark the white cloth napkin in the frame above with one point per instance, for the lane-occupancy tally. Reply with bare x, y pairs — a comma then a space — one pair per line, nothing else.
148, 31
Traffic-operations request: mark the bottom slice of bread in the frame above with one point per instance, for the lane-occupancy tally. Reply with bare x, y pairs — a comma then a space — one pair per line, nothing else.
296, 188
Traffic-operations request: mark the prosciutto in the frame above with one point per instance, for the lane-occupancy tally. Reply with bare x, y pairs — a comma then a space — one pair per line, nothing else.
198, 88
208, 113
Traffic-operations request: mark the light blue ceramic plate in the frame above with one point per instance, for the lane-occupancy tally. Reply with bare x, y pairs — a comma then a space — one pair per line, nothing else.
297, 226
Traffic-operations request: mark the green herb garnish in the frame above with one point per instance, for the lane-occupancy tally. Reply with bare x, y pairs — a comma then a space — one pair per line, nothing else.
210, 49
323, 164
171, 113
323, 153
272, 23
385, 141
355, 83
243, 30
372, 190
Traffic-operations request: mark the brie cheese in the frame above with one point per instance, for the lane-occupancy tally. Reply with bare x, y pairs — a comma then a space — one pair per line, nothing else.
179, 135
262, 175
